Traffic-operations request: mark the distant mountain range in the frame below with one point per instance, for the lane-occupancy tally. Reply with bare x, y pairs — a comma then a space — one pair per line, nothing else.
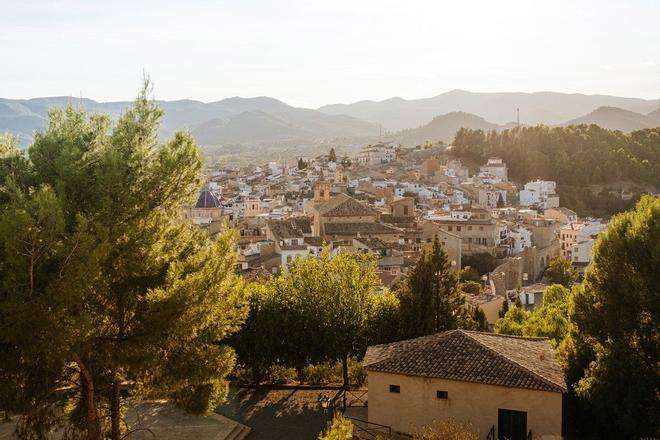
550, 108
232, 120
263, 120
442, 128
618, 119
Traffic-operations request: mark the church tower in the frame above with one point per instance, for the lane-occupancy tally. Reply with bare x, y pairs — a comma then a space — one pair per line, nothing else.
321, 191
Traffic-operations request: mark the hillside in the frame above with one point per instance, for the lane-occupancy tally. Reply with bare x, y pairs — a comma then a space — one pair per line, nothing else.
267, 120
655, 115
614, 118
549, 108
232, 120
442, 128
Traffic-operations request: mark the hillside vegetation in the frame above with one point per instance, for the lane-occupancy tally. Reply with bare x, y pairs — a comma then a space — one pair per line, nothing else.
575, 157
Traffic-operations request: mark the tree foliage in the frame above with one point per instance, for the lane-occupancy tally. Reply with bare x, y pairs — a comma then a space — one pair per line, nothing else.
101, 284
612, 352
549, 320
332, 156
322, 308
483, 262
561, 271
431, 300
602, 156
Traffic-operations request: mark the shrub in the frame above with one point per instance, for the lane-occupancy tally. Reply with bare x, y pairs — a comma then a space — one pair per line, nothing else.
321, 374
341, 429
449, 429
357, 374
281, 374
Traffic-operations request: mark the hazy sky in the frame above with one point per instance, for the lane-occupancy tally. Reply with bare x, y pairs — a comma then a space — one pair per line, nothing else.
310, 53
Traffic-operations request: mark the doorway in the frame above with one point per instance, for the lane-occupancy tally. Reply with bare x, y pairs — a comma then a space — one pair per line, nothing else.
511, 425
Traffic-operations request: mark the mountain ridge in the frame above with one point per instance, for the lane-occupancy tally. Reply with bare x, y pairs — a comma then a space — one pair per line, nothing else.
264, 119
545, 107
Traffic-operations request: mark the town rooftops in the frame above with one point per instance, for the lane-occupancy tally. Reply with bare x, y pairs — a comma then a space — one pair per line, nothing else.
375, 243
290, 228
488, 358
343, 205
359, 228
563, 210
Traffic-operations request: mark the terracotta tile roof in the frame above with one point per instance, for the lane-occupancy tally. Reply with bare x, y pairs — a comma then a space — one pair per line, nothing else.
290, 228
359, 228
389, 218
488, 358
344, 205
314, 241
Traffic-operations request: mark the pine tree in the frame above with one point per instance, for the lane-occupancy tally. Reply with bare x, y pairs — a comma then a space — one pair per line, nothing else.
102, 286
612, 352
332, 156
560, 271
500, 201
431, 300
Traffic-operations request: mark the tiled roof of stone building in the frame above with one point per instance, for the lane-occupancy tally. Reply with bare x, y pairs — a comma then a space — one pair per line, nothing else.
343, 205
291, 227
359, 228
488, 358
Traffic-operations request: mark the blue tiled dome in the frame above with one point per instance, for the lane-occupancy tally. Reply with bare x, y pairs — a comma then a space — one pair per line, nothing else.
207, 200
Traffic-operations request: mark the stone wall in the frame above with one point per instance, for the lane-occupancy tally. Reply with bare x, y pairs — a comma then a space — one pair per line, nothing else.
532, 261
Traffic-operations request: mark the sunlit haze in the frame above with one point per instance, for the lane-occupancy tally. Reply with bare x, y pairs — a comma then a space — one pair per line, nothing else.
310, 53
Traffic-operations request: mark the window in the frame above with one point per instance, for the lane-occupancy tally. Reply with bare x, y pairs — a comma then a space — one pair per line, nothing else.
395, 389
442, 395
458, 229
481, 228
405, 210
449, 228
469, 228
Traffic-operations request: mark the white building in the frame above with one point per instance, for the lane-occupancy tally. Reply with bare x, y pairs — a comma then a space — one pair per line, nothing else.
521, 239
539, 193
496, 168
375, 154
489, 197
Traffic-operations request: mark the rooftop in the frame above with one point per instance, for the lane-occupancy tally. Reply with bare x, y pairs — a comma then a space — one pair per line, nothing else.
290, 228
207, 199
488, 358
343, 205
359, 228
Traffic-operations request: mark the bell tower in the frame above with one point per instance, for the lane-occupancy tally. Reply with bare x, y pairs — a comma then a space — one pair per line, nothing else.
321, 191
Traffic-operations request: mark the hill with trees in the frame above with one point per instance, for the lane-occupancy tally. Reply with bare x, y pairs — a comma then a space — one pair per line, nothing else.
576, 157
443, 127
615, 118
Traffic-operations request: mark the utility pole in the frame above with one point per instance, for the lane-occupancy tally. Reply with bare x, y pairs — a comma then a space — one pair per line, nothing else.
518, 116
